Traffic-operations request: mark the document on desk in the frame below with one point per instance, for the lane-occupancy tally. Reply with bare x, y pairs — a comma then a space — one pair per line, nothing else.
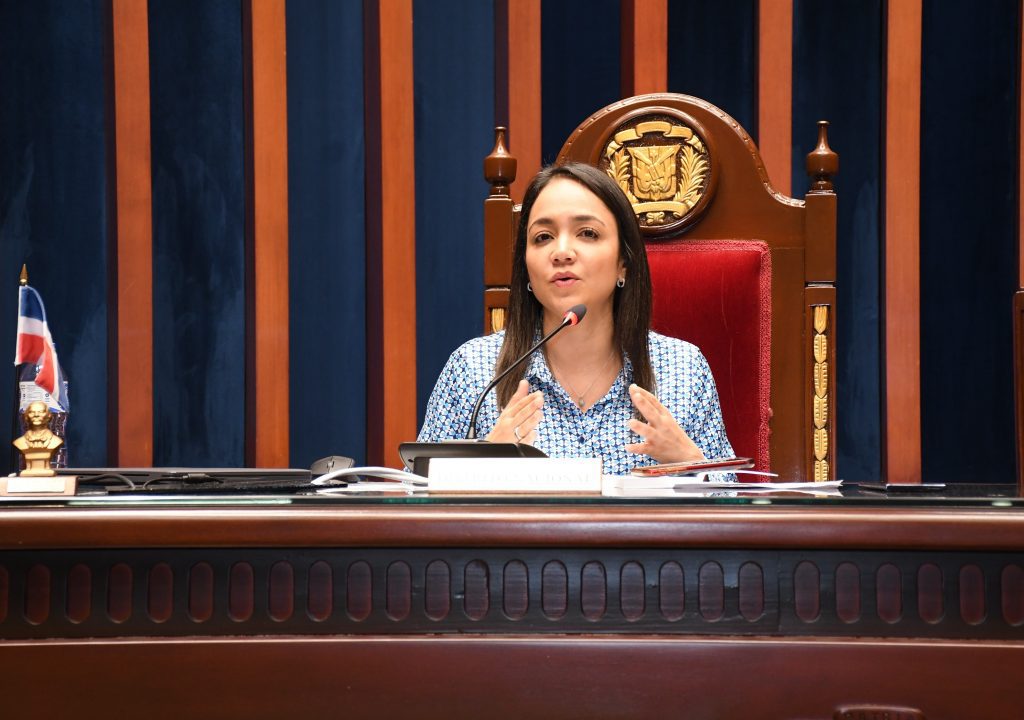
634, 485
369, 480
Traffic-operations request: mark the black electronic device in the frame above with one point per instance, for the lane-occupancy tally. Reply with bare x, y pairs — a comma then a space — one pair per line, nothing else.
182, 480
573, 316
417, 455
897, 488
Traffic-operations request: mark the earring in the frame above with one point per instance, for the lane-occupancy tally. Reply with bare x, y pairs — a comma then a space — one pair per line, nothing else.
620, 283
529, 287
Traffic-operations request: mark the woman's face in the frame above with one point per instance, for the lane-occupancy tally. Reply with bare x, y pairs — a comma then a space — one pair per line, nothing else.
572, 250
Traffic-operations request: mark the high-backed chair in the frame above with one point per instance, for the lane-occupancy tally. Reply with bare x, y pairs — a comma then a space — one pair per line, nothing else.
739, 269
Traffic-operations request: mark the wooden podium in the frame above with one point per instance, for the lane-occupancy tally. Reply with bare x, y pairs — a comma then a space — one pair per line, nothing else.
278, 607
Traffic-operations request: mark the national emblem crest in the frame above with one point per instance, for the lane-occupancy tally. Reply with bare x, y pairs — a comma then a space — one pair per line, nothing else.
663, 165
654, 171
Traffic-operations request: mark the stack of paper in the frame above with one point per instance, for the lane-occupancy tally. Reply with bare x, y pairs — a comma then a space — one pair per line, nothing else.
370, 479
706, 484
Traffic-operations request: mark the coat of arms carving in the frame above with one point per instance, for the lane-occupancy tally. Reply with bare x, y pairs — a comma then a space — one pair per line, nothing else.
664, 168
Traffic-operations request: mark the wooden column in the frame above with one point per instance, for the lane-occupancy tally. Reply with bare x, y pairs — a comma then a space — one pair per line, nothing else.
131, 359
775, 90
902, 381
1018, 379
390, 230
267, 400
517, 84
644, 47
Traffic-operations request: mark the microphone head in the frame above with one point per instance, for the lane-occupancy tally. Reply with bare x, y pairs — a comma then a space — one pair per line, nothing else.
575, 314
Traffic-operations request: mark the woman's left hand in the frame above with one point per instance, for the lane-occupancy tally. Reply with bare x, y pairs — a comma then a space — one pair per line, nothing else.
664, 440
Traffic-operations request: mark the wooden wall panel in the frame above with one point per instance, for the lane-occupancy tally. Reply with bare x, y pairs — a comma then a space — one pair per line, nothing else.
523, 89
131, 363
775, 90
644, 47
267, 404
391, 230
902, 290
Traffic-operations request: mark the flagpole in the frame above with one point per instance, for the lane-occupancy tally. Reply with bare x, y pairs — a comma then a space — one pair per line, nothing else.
15, 465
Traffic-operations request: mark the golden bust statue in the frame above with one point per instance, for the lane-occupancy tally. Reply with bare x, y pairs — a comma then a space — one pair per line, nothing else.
38, 444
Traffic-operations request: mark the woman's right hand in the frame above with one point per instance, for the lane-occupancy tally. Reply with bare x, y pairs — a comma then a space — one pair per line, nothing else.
519, 420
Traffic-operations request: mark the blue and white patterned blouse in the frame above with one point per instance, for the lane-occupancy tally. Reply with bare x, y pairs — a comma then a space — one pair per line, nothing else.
684, 386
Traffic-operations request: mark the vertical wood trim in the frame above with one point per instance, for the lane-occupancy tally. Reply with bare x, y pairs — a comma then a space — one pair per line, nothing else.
391, 236
267, 385
775, 90
132, 403
902, 456
644, 47
1020, 146
1018, 379
524, 96
398, 225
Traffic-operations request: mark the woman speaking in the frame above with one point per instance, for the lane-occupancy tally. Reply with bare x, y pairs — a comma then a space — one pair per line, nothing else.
609, 387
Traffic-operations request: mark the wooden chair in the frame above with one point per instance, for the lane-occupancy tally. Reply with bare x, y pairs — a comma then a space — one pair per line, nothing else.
742, 271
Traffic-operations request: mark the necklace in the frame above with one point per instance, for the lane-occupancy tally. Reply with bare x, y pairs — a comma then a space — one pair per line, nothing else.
580, 398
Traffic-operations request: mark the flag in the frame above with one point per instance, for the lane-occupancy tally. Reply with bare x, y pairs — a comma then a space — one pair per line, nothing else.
35, 345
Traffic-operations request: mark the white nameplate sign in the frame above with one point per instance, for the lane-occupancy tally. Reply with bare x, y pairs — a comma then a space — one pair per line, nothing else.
515, 475
53, 485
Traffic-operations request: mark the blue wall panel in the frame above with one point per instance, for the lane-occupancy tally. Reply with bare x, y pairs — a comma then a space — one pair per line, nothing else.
580, 67
327, 254
838, 76
712, 54
198, 232
53, 199
968, 238
454, 104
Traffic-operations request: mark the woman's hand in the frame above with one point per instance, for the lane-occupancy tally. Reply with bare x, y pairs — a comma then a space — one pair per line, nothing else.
664, 440
519, 420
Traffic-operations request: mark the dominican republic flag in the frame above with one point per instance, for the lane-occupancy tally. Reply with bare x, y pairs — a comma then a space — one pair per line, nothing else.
36, 346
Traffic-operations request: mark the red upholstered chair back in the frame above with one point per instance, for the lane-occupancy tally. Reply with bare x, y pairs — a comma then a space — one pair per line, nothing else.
739, 269
708, 290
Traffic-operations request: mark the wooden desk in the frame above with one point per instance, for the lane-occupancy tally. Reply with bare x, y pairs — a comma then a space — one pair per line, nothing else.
423, 609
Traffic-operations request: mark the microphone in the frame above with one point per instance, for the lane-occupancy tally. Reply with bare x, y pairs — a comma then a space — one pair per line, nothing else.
573, 316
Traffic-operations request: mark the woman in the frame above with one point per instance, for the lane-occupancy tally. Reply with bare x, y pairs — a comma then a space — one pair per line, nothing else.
607, 388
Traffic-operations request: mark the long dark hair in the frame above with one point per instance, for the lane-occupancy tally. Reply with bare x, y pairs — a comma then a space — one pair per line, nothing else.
631, 309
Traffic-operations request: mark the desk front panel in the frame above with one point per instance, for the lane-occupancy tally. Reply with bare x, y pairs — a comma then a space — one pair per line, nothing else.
411, 570
513, 677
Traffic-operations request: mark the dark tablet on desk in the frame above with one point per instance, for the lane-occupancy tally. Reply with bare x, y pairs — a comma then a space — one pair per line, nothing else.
417, 455
190, 480
896, 488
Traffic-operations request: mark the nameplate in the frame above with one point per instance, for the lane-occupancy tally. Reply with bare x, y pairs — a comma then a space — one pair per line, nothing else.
515, 475
56, 485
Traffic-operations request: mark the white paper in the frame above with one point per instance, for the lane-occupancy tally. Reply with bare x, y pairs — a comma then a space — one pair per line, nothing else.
690, 485
55, 484
371, 488
370, 474
515, 475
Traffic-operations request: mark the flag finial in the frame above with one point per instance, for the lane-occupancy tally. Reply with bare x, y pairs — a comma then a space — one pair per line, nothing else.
23, 278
